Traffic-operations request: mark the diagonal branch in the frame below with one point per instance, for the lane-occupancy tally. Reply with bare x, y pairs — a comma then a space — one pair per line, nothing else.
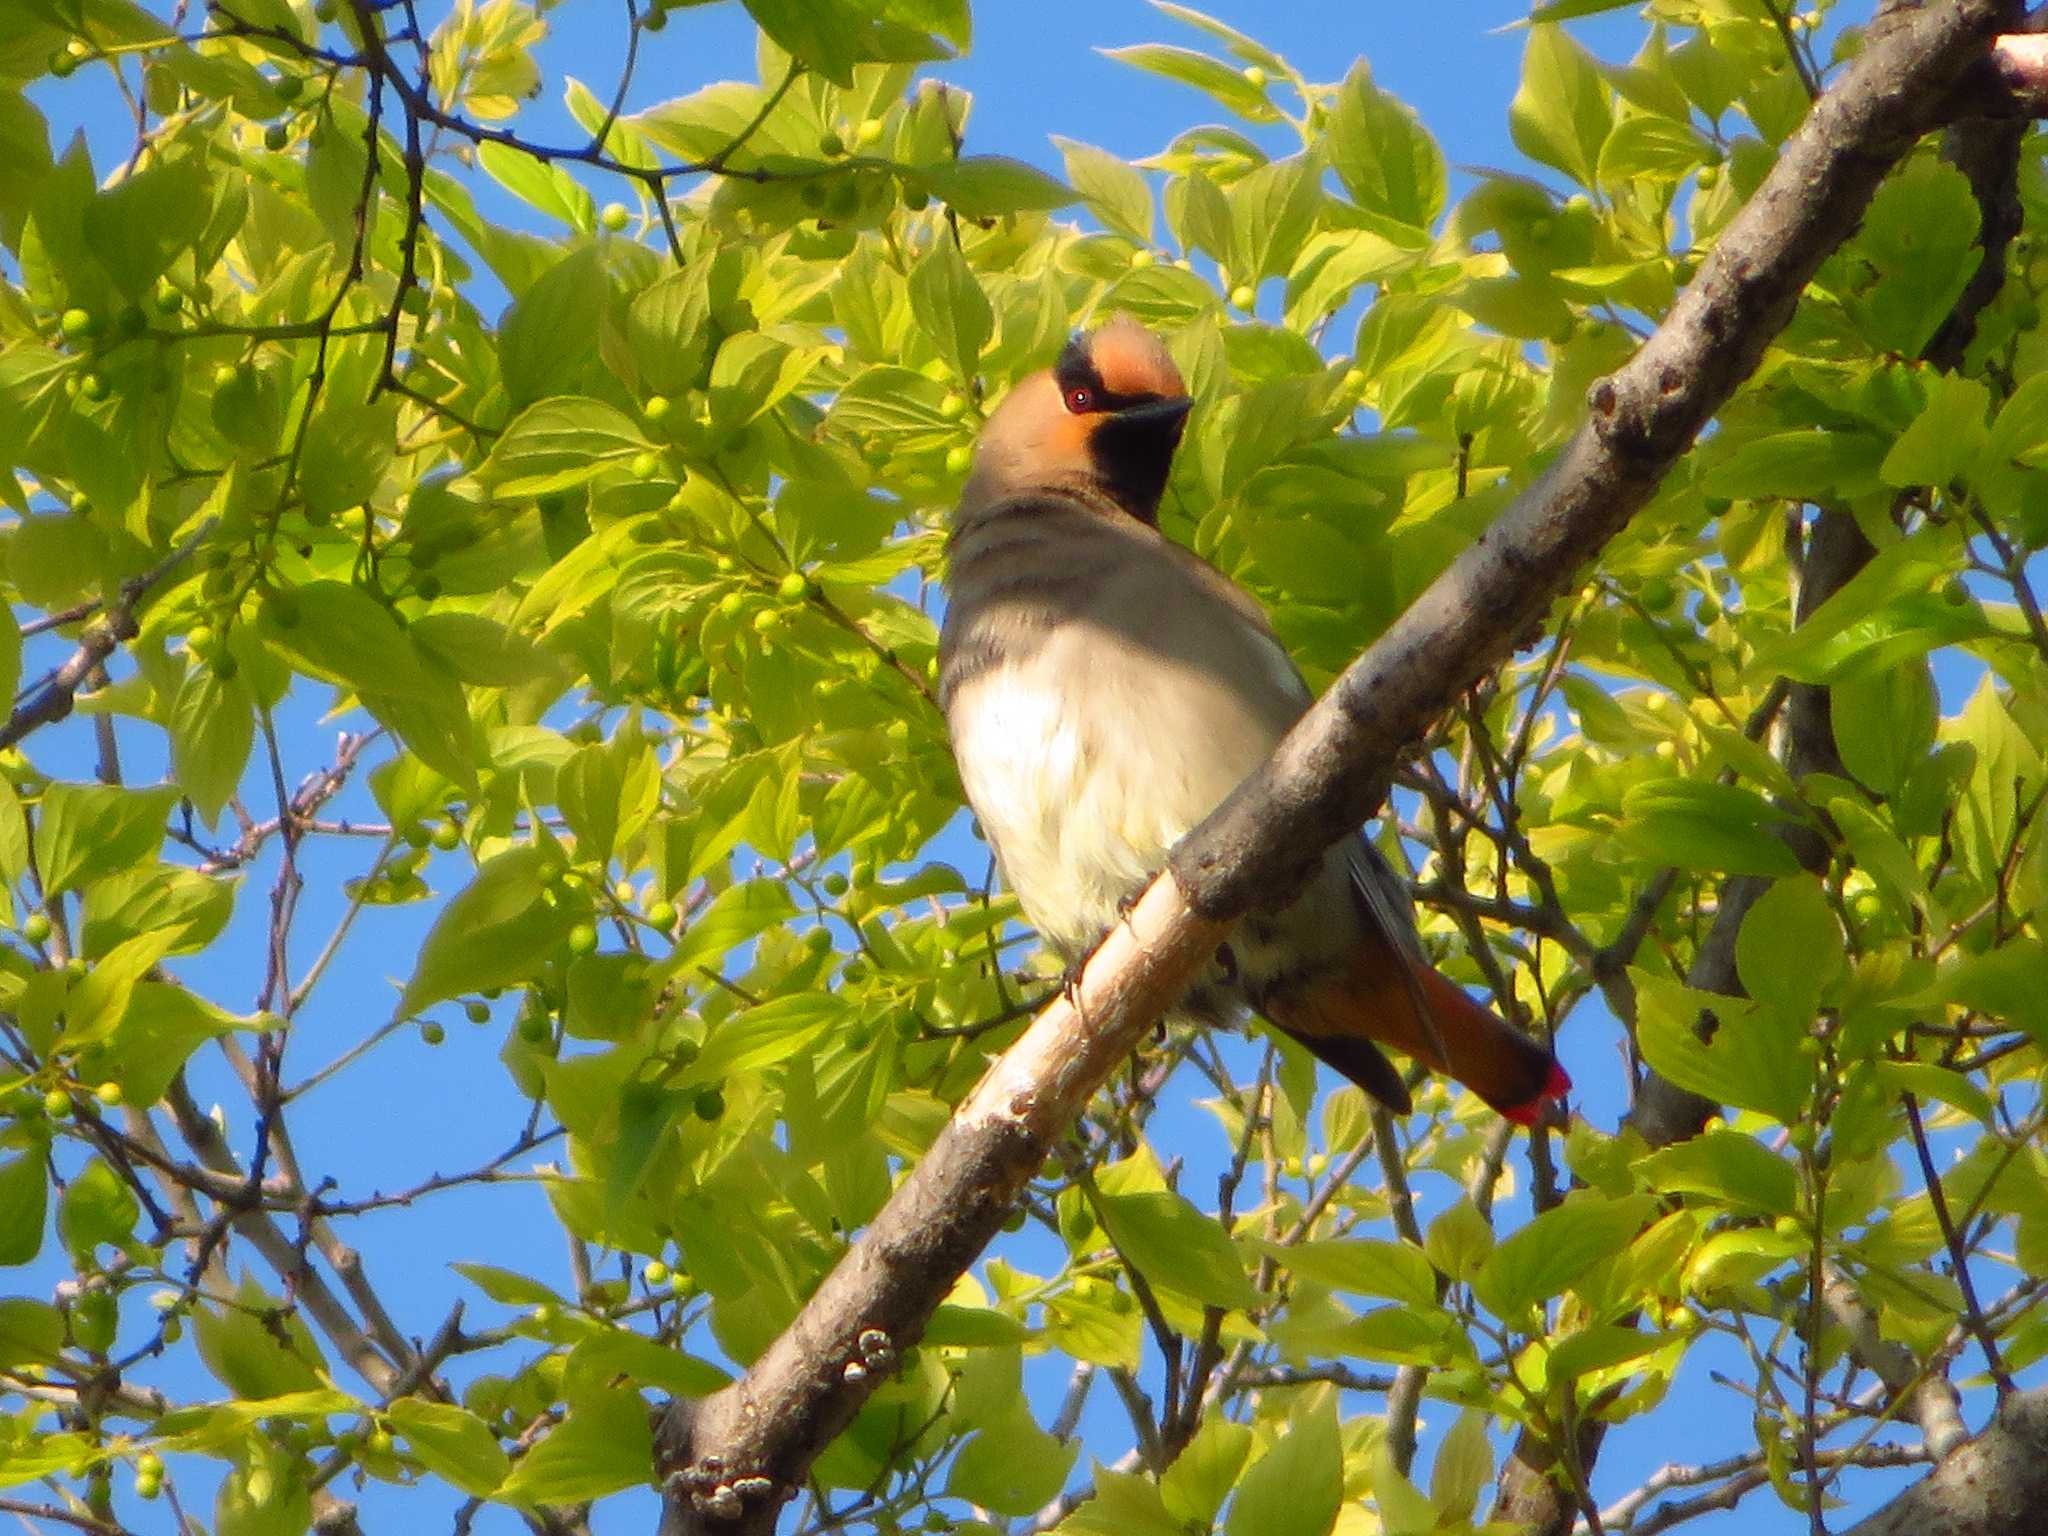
732, 1459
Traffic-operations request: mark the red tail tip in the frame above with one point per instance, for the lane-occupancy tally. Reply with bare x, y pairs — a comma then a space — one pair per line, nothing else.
1556, 1086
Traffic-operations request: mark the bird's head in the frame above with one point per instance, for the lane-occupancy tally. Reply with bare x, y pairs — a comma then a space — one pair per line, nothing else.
1109, 414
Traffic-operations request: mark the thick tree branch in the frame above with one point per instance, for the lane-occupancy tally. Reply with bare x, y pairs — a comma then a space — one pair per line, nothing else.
733, 1458
1996, 1485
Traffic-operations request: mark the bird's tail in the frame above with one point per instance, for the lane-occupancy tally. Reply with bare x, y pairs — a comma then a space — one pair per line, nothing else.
1345, 1016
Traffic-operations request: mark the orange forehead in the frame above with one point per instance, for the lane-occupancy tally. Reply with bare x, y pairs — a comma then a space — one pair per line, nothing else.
1132, 361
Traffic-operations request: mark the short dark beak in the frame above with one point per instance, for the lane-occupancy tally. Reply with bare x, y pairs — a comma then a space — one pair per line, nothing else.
1164, 415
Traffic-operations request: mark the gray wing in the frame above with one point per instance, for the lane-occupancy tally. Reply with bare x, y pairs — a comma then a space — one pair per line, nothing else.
1384, 903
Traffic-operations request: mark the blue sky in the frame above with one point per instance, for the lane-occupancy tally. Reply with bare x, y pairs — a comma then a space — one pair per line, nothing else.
1035, 71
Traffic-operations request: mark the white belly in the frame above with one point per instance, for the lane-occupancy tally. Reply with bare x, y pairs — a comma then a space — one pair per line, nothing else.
1086, 764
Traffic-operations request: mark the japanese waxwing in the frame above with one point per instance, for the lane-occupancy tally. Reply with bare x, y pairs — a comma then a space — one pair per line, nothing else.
1106, 689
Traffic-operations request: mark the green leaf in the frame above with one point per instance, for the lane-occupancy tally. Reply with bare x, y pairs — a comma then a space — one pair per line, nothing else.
1543, 1258
84, 831
255, 1346
1386, 159
1463, 1466
1728, 1166
348, 449
96, 1207
337, 632
481, 651
1115, 192
1011, 1467
989, 186
548, 343
1194, 1487
139, 226
1226, 86
1272, 213
1693, 824
2004, 983
618, 1352
1458, 1241
951, 309
31, 1332
540, 185
826, 37
24, 1197
1790, 948
162, 1025
452, 1443
213, 725
1945, 439
1750, 1060
1560, 114
604, 1445
1652, 148
1799, 465
1297, 1487
1884, 722
1920, 233
504, 1285
1367, 1266
1177, 1248
494, 932
100, 999
556, 444
738, 914
764, 1035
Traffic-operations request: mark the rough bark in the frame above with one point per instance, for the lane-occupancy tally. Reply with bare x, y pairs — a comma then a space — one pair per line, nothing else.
1994, 1485
734, 1458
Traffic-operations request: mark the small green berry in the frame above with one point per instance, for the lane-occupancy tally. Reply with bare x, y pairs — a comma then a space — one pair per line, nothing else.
1142, 259
78, 324
615, 217
433, 1033
225, 666
953, 407
768, 621
1255, 77
94, 387
869, 133
1242, 297
57, 1104
148, 1486
477, 1013
655, 1273
730, 605
149, 1464
710, 1104
582, 939
418, 835
426, 586
63, 64
169, 301
662, 915
109, 1093
793, 588
830, 145
445, 836
288, 87
644, 465
1954, 593
35, 927
657, 408
276, 136
835, 884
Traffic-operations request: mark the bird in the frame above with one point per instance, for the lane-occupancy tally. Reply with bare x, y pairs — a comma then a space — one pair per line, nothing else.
1106, 688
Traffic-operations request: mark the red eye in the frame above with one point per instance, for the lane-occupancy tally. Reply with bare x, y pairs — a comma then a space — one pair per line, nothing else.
1080, 399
